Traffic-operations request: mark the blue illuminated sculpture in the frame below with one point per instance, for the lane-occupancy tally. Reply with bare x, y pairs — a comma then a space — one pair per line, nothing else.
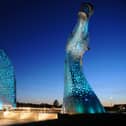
78, 95
7, 82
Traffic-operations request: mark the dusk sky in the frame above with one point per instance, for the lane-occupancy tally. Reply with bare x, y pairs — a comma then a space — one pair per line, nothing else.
34, 35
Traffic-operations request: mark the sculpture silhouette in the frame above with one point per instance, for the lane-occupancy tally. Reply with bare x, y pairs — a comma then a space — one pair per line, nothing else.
78, 95
7, 81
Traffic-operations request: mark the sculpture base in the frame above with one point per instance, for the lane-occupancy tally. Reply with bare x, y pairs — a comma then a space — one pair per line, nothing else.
78, 105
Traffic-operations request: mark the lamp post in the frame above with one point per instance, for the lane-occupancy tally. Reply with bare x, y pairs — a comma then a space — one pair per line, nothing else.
111, 101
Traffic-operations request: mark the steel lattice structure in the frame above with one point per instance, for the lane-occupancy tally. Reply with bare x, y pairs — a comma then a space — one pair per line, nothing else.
7, 81
78, 95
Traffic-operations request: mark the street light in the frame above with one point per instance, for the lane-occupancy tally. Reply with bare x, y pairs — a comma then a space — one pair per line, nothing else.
111, 101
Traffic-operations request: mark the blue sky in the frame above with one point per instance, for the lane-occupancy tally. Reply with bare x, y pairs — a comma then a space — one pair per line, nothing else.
34, 34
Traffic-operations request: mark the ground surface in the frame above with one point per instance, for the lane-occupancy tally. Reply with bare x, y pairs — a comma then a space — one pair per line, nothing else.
82, 120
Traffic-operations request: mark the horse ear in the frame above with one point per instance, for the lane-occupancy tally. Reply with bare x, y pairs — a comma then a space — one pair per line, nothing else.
88, 48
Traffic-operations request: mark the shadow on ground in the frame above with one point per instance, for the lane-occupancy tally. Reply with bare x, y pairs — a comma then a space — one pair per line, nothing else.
82, 120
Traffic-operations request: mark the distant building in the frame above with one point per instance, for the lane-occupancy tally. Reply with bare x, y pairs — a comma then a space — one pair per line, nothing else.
116, 108
7, 82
